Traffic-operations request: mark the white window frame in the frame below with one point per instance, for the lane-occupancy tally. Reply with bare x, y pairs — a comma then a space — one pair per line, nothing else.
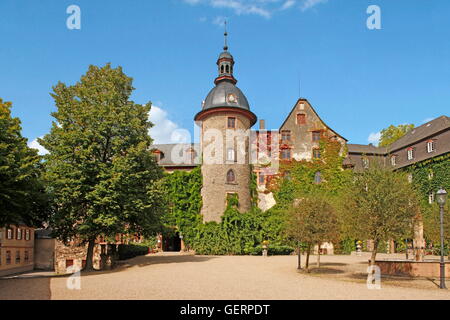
9, 234
430, 146
393, 161
410, 154
231, 154
19, 234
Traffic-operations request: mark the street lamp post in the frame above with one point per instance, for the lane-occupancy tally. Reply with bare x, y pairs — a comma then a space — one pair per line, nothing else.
441, 196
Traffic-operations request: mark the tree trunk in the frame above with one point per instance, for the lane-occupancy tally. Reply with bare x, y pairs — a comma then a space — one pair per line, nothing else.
318, 256
374, 252
299, 265
89, 256
308, 251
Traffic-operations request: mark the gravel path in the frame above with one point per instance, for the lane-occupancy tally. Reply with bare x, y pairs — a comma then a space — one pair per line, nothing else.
176, 276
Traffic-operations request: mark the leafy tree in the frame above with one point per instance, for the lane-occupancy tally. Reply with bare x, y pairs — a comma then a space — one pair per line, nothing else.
22, 196
393, 133
379, 205
101, 175
312, 220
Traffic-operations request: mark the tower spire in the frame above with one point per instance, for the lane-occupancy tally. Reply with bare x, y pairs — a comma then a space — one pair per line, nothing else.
225, 47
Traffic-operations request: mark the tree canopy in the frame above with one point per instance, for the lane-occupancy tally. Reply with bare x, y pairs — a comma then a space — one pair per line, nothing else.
101, 175
379, 205
393, 133
22, 196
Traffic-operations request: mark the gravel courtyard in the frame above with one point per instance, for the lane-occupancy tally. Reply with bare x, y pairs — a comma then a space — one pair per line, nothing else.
182, 276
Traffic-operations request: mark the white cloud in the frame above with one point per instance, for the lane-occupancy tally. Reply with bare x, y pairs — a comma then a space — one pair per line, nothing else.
35, 145
263, 8
308, 4
374, 137
288, 4
164, 129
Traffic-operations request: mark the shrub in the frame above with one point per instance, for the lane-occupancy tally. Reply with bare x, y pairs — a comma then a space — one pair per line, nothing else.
128, 251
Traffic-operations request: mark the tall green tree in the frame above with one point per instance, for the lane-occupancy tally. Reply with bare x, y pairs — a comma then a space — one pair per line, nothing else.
102, 177
22, 196
393, 133
312, 220
379, 205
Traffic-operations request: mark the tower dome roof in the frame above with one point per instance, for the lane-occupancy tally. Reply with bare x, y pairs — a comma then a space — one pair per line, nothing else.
225, 54
226, 94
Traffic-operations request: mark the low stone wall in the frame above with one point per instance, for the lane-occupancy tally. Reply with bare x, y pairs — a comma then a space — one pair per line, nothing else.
429, 269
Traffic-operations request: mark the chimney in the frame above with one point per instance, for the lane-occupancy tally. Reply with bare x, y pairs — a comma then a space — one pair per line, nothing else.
262, 124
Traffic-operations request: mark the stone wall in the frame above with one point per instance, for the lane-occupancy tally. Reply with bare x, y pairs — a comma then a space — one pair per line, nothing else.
69, 259
430, 269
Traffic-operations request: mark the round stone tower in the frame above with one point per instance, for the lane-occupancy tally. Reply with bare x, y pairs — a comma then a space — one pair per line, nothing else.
225, 121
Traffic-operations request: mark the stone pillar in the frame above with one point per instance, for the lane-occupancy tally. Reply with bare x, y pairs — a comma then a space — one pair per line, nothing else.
418, 241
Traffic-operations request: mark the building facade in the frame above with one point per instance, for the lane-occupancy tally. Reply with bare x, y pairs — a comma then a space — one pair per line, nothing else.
227, 164
16, 249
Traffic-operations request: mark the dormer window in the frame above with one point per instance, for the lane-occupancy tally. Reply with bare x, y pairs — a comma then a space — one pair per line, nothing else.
365, 163
393, 160
430, 146
410, 152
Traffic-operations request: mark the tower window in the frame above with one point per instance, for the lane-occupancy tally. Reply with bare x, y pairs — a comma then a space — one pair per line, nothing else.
221, 69
231, 123
227, 67
301, 118
231, 177
231, 155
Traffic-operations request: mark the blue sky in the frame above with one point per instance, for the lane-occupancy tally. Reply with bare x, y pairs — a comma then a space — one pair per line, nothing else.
358, 80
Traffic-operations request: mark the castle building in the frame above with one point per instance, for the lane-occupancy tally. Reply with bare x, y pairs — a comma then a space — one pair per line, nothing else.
225, 151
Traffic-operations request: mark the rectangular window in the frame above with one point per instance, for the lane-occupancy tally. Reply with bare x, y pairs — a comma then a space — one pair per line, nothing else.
230, 155
430, 146
8, 257
394, 160
301, 118
365, 163
27, 234
262, 178
285, 135
316, 153
231, 123
316, 135
69, 263
26, 257
9, 234
431, 197
286, 154
17, 257
410, 154
19, 234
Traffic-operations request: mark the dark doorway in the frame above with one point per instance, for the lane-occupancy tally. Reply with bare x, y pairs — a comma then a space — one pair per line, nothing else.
172, 243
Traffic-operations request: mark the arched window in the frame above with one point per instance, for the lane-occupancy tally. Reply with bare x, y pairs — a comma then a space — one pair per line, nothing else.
221, 69
228, 68
231, 178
